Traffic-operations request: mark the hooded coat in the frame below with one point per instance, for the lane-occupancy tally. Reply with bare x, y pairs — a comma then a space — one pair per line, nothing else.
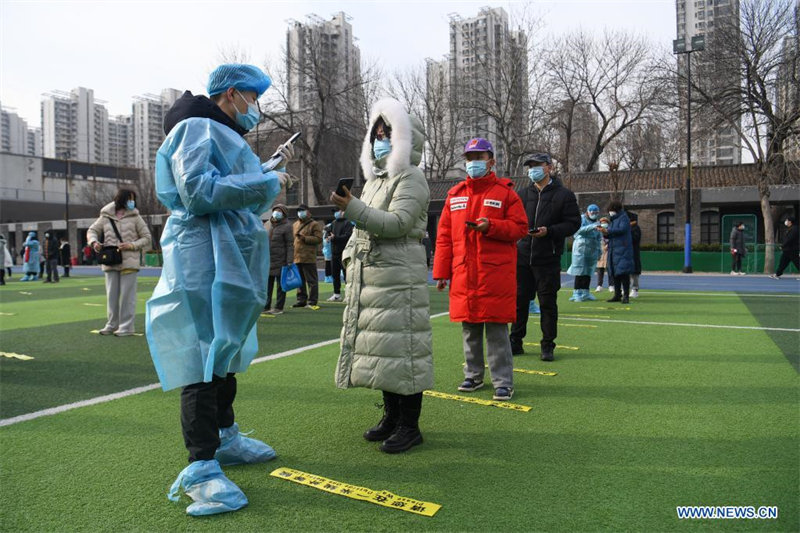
281, 243
587, 245
7, 261
481, 267
386, 340
132, 229
201, 319
620, 246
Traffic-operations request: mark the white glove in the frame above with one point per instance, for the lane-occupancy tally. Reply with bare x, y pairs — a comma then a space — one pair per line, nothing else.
287, 153
285, 180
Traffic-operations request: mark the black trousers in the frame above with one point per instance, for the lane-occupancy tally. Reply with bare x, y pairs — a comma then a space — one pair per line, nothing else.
736, 262
542, 282
327, 268
408, 407
205, 409
622, 285
582, 282
308, 273
336, 270
281, 296
786, 258
52, 269
600, 272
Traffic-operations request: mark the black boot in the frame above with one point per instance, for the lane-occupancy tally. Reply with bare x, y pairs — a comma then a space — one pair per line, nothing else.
391, 416
617, 294
407, 433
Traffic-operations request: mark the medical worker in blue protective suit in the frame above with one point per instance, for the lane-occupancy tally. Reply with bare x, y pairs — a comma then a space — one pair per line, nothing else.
586, 248
201, 319
30, 259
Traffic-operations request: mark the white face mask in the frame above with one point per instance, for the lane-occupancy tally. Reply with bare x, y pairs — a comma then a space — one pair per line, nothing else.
787, 223
612, 213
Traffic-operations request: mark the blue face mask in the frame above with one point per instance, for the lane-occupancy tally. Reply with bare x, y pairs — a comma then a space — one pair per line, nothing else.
130, 204
250, 119
302, 214
277, 215
536, 174
337, 215
476, 169
593, 216
381, 148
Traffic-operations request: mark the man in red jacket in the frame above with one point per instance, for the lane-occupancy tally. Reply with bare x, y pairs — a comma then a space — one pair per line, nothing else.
482, 220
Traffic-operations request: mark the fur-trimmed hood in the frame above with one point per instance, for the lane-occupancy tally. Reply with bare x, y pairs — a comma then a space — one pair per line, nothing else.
407, 138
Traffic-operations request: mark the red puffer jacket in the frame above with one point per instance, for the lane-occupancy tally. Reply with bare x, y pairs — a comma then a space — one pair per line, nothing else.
481, 267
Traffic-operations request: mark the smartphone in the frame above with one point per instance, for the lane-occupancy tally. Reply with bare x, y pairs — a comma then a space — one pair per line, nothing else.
275, 158
344, 182
471, 224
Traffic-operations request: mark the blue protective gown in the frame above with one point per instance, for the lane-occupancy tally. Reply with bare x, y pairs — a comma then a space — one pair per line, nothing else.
201, 319
586, 248
31, 266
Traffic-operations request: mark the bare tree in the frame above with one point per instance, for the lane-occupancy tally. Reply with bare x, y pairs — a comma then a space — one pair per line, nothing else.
761, 48
327, 107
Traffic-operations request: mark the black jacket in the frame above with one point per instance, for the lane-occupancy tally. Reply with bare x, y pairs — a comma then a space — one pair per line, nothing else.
737, 241
191, 106
636, 238
555, 208
791, 244
50, 248
341, 229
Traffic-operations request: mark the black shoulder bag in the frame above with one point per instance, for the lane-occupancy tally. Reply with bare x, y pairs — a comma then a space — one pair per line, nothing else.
111, 255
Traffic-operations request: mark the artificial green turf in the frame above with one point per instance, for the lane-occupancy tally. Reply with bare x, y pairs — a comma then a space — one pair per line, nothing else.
640, 419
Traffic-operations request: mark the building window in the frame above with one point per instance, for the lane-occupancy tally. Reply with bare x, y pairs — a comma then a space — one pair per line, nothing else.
709, 227
666, 227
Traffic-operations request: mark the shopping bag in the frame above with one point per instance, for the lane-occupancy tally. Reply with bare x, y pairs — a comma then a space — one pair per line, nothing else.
290, 278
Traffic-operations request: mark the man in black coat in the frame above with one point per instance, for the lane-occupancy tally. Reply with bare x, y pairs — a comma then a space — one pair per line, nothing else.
341, 229
738, 249
553, 215
65, 255
50, 254
790, 247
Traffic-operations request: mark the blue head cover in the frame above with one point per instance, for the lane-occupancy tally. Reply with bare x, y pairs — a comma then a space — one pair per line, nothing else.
594, 208
32, 235
242, 77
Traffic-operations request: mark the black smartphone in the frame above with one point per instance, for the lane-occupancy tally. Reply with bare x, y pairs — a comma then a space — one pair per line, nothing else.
471, 224
344, 182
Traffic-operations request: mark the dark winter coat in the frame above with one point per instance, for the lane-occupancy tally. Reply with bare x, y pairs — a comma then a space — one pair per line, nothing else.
50, 248
555, 208
66, 254
341, 229
620, 246
737, 242
636, 236
791, 244
281, 245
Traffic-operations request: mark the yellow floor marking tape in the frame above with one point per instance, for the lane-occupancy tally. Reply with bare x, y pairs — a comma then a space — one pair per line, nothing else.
86, 289
564, 346
524, 371
26, 293
267, 315
93, 305
606, 308
379, 497
7, 314
19, 356
467, 399
97, 331
576, 326
314, 307
536, 372
585, 316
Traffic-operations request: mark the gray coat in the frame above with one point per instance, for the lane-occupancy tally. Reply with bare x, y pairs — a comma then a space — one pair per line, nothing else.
281, 245
386, 340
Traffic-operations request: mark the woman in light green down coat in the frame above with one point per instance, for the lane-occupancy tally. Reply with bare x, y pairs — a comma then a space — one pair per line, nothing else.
386, 340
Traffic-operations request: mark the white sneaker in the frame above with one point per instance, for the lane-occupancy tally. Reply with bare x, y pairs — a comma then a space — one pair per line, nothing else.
335, 298
634, 293
611, 289
599, 288
733, 273
742, 273
774, 276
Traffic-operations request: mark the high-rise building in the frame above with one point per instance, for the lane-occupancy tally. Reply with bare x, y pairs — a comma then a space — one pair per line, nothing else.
484, 51
787, 97
712, 144
120, 141
34, 142
320, 44
148, 126
74, 125
13, 132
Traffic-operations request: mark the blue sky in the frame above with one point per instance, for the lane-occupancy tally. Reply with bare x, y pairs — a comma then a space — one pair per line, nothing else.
122, 48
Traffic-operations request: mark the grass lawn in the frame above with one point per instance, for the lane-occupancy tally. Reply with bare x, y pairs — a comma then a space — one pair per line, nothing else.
641, 418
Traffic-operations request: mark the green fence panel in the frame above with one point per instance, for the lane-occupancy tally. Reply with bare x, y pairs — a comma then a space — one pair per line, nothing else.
152, 259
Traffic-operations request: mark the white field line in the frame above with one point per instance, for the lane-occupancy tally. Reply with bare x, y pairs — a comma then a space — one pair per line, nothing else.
682, 324
667, 292
138, 390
